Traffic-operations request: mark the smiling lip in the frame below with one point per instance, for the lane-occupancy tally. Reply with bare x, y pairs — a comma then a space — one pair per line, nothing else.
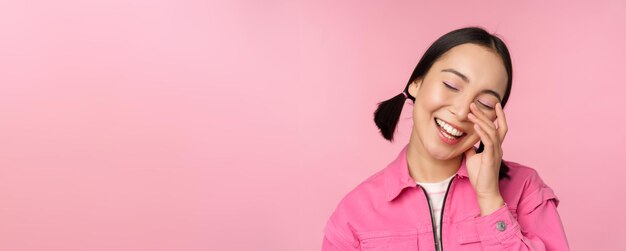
452, 125
441, 132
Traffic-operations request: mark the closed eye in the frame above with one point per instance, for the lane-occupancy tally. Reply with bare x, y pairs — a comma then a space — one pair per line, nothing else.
450, 86
485, 105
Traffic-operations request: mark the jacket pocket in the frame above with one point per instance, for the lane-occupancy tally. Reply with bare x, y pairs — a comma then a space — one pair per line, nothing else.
399, 240
467, 232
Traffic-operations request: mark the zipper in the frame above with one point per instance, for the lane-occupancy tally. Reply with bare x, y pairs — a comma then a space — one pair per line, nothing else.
443, 206
432, 219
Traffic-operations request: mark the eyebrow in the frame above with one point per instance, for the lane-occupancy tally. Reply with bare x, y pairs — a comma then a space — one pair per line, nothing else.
466, 79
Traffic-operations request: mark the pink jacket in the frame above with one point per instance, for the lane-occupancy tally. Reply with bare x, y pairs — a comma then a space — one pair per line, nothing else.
388, 211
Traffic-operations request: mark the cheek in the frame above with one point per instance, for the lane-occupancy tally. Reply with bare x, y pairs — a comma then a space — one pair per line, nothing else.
433, 98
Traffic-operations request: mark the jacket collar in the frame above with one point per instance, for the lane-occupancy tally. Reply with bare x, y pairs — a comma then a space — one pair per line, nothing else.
397, 176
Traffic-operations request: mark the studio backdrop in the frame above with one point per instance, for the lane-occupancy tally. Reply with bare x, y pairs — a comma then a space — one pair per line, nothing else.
240, 125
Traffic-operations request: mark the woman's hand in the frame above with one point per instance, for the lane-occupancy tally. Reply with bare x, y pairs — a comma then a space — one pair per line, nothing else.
483, 168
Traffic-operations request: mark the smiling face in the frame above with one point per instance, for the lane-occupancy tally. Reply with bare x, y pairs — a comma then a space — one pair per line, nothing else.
466, 73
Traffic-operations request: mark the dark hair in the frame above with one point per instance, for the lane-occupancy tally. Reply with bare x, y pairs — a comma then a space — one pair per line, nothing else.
388, 112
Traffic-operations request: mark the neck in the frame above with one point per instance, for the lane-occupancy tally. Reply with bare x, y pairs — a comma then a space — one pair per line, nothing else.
424, 168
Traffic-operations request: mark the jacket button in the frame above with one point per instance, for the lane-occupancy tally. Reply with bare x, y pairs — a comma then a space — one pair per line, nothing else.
501, 226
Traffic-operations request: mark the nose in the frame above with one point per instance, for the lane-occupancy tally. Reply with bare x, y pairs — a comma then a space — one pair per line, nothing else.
461, 108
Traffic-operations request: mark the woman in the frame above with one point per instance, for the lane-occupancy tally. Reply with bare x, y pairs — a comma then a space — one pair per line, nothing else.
441, 192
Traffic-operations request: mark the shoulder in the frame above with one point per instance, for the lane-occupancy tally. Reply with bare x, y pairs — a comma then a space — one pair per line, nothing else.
523, 175
525, 187
366, 197
368, 192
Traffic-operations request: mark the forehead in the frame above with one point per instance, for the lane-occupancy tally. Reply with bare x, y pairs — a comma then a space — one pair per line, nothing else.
482, 66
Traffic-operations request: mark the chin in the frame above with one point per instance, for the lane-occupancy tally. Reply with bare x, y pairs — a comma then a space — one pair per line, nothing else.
442, 154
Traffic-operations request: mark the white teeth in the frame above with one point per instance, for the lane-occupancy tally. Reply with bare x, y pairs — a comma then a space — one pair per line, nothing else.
449, 129
448, 136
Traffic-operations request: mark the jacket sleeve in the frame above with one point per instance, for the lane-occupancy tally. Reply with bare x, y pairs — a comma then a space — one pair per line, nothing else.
537, 226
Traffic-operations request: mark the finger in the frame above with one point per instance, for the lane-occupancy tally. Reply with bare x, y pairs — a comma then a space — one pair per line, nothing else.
485, 127
501, 120
487, 141
490, 141
481, 115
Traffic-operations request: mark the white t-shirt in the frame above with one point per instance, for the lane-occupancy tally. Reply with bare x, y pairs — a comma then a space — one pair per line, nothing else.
436, 193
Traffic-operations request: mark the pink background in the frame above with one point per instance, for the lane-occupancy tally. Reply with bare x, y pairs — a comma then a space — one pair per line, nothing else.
193, 125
